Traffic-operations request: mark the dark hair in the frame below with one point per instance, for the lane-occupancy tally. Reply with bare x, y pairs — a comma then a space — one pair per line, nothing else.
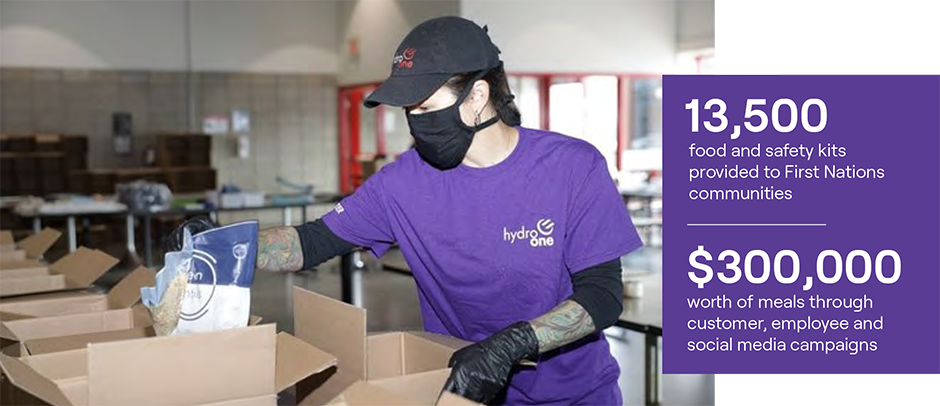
501, 97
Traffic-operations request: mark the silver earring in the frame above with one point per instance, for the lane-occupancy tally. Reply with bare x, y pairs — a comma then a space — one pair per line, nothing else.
476, 121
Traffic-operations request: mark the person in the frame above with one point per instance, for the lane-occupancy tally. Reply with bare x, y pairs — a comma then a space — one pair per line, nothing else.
514, 235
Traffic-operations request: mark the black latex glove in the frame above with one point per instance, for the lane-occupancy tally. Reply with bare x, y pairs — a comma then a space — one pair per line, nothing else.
195, 225
481, 371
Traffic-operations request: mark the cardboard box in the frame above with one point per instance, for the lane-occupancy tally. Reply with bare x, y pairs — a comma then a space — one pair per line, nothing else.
28, 250
246, 366
123, 295
421, 389
118, 314
25, 319
74, 271
70, 313
340, 329
79, 341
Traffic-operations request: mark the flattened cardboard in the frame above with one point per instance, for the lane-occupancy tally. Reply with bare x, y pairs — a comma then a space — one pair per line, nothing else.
37, 244
337, 328
189, 364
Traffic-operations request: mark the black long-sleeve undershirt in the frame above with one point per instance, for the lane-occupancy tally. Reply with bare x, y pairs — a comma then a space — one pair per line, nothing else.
599, 290
318, 243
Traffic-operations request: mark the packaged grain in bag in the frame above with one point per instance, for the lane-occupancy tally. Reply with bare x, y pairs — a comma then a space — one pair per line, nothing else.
219, 269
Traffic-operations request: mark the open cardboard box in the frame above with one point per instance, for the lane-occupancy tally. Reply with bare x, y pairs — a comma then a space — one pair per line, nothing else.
420, 389
78, 341
77, 270
109, 312
15, 255
243, 367
123, 295
340, 329
69, 313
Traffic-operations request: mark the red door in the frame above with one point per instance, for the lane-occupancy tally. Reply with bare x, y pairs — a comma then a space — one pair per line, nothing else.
362, 137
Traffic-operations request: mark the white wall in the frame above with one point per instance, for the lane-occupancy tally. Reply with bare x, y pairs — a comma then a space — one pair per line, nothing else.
724, 24
696, 28
379, 26
265, 36
93, 34
285, 36
633, 36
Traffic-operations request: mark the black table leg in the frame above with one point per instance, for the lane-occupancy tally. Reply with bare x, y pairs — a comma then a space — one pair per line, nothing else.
351, 269
148, 242
347, 267
652, 370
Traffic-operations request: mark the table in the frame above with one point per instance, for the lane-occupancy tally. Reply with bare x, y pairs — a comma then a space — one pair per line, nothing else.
70, 217
645, 315
147, 218
130, 216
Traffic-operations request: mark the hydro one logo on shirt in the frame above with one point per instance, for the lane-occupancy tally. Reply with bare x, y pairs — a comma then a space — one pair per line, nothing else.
541, 236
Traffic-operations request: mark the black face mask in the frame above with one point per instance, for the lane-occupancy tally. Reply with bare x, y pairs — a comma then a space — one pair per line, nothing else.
441, 137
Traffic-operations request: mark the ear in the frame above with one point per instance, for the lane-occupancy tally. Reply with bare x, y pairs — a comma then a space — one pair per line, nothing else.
479, 95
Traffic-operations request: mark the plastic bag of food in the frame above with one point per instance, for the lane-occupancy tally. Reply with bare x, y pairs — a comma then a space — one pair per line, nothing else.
219, 267
143, 196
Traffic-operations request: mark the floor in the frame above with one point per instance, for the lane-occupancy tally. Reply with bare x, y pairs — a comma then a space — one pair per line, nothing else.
391, 302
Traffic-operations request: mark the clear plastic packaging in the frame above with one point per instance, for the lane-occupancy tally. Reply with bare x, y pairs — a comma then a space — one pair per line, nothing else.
220, 264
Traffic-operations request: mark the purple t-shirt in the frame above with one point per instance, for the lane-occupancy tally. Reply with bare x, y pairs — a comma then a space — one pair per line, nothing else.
492, 246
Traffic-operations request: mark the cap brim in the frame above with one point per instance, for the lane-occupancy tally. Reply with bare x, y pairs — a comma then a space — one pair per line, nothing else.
403, 91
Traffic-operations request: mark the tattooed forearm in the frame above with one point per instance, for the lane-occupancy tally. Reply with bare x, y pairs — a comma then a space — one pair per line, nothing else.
279, 250
565, 324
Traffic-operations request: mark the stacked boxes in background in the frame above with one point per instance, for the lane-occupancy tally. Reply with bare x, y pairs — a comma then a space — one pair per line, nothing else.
186, 162
44, 164
40, 164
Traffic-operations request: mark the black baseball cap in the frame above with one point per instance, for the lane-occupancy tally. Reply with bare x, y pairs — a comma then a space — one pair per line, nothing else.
431, 53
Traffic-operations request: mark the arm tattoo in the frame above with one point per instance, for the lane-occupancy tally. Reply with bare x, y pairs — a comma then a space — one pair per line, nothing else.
565, 324
279, 250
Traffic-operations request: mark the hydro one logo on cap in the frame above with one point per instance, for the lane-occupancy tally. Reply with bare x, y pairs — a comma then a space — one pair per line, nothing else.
541, 236
404, 60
